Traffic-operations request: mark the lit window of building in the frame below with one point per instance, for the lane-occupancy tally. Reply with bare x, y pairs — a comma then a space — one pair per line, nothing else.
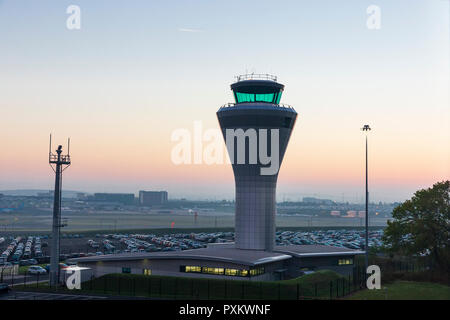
193, 269
231, 272
256, 271
147, 272
211, 270
243, 273
343, 262
223, 271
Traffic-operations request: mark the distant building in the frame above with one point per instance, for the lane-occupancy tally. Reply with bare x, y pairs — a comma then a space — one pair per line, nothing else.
81, 196
312, 200
335, 213
351, 214
152, 198
48, 194
123, 198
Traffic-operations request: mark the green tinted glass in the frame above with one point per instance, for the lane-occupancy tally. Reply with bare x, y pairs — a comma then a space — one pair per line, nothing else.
278, 98
245, 97
264, 97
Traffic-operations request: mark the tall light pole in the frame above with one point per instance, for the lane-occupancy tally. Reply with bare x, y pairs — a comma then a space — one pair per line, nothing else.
60, 163
366, 129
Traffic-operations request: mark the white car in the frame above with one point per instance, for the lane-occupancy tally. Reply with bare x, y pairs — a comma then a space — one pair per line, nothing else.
36, 270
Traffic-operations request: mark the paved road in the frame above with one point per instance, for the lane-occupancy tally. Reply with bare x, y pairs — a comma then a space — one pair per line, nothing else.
20, 295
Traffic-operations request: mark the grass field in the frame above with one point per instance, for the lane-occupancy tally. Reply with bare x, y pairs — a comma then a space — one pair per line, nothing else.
317, 284
81, 222
24, 269
405, 290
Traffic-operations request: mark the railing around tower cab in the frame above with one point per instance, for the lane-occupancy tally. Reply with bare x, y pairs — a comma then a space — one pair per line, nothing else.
280, 105
256, 76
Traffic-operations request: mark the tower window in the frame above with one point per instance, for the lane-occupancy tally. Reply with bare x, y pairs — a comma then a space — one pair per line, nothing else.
257, 97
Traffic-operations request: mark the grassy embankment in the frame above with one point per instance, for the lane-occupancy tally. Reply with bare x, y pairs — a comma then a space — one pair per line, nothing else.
308, 286
405, 290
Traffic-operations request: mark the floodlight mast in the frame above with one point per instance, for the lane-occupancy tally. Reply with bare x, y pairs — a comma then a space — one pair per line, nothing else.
58, 162
366, 128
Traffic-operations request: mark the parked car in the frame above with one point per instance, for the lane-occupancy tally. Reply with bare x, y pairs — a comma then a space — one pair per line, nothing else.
4, 287
24, 263
43, 259
36, 270
61, 266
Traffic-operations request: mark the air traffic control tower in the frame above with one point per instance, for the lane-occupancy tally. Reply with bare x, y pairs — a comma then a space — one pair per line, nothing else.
256, 129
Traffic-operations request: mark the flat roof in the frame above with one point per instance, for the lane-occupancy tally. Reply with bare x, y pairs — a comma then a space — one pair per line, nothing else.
226, 252
315, 251
214, 252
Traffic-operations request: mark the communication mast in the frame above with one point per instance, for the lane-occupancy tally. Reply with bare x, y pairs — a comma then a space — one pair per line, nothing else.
58, 162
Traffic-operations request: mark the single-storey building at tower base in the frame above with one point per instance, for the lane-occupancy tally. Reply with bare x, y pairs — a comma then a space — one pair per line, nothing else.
227, 262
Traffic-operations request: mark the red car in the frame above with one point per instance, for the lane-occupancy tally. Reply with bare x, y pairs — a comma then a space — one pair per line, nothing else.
61, 266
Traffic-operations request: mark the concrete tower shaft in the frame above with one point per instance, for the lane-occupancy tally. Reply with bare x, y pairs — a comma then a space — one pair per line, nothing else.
259, 124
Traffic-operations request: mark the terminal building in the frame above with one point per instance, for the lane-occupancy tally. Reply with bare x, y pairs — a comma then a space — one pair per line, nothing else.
152, 198
256, 129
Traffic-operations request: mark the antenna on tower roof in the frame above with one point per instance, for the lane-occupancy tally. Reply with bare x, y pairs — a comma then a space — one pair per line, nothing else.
50, 145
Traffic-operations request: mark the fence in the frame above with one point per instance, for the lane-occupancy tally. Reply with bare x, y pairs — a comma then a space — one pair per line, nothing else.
389, 266
8, 271
13, 278
200, 288
195, 288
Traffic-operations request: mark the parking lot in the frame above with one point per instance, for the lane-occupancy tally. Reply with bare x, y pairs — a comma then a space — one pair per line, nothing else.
27, 251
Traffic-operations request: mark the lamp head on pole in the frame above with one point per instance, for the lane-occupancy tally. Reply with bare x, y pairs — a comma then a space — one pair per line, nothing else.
366, 128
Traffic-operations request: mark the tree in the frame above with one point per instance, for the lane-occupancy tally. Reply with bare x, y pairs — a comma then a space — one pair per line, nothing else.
421, 226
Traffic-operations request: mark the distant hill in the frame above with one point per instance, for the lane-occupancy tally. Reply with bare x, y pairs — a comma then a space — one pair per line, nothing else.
34, 192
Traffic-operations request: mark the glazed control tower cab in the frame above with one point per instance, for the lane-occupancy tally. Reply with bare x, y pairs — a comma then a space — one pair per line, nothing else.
262, 126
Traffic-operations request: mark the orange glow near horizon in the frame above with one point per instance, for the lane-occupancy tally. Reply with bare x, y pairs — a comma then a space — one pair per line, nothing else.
121, 161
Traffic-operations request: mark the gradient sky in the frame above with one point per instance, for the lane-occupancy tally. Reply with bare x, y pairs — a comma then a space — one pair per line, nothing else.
138, 70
